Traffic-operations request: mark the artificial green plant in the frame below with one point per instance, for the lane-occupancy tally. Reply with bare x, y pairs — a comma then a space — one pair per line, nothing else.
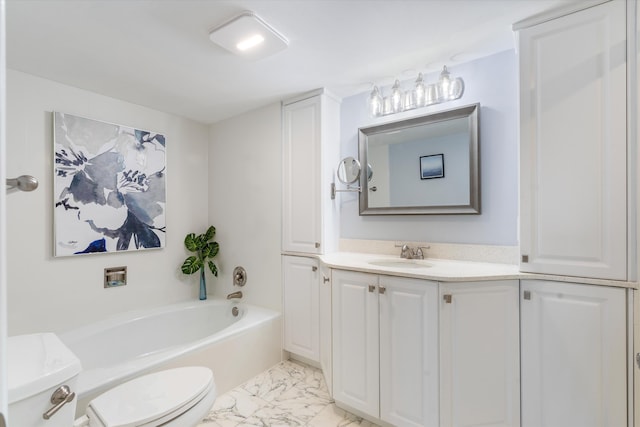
204, 248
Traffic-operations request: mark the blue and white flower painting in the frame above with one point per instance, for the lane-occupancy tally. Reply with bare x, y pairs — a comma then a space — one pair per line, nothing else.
109, 187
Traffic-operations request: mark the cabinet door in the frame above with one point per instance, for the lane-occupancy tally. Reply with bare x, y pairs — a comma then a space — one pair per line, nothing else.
325, 326
408, 351
573, 144
301, 304
301, 224
479, 354
574, 366
355, 341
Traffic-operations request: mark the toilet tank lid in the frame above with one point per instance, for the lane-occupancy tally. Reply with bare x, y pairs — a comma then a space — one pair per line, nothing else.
37, 362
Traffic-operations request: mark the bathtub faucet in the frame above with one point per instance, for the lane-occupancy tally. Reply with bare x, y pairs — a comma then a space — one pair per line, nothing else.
237, 294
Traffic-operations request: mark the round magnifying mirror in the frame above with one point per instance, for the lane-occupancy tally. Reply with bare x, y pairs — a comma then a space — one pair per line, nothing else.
349, 170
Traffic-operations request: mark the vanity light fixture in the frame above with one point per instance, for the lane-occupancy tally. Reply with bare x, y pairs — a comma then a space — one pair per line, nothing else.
249, 36
447, 88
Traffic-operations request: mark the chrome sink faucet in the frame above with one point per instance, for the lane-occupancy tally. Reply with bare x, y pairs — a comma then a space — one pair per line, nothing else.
412, 253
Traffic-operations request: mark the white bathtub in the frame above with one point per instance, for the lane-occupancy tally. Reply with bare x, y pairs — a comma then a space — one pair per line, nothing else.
202, 333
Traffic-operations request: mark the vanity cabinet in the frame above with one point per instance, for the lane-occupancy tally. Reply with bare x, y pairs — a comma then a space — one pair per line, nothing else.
326, 327
385, 347
301, 303
311, 143
479, 354
573, 184
420, 353
574, 364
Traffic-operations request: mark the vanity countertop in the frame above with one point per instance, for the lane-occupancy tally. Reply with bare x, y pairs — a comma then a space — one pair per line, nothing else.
445, 270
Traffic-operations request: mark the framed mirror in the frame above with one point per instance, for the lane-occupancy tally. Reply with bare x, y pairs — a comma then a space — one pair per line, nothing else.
422, 165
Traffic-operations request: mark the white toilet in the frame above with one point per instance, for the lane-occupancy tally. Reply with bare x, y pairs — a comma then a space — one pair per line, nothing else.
40, 364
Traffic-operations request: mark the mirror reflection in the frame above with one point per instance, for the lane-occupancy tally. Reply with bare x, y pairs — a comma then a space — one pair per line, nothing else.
422, 165
348, 170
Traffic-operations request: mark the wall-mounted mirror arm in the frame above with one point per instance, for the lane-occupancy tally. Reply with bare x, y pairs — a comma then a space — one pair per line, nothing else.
349, 189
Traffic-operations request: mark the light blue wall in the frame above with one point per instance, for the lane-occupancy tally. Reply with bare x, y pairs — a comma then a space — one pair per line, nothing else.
408, 189
492, 82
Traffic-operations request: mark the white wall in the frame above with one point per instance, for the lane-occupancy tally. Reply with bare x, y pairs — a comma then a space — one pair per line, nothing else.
55, 294
491, 81
4, 398
245, 197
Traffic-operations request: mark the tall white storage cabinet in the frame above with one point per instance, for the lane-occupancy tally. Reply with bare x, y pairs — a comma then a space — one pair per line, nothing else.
574, 361
479, 354
573, 143
311, 144
310, 221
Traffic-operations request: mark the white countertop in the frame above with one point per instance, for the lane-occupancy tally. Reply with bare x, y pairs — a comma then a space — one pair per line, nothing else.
444, 270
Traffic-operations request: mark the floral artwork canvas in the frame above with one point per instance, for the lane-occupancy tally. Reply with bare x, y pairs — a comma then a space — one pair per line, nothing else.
109, 187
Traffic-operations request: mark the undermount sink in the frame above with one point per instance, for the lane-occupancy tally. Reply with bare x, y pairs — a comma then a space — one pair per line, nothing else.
400, 263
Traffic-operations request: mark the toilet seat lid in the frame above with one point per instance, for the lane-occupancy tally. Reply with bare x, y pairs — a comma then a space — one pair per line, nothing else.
152, 397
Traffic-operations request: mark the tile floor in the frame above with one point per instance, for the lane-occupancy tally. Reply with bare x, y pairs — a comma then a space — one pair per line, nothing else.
289, 394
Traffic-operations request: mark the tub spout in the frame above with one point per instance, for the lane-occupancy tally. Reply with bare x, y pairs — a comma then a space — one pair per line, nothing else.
237, 294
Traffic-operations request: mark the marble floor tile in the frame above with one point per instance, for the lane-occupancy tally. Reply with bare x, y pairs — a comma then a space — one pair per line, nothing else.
232, 408
290, 394
332, 416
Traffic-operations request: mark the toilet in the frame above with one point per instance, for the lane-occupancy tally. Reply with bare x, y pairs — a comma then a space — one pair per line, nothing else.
40, 365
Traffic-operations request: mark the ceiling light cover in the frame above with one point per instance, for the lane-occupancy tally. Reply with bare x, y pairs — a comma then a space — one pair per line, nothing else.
249, 36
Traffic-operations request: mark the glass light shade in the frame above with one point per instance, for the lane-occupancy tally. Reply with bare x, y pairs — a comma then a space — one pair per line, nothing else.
386, 106
443, 87
409, 100
431, 96
375, 102
420, 91
397, 98
456, 89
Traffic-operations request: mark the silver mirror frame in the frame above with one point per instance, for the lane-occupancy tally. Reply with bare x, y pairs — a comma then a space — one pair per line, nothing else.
472, 113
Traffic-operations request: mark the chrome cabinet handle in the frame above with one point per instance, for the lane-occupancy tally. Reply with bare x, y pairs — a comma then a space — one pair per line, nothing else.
382, 289
314, 268
59, 398
447, 298
325, 279
372, 288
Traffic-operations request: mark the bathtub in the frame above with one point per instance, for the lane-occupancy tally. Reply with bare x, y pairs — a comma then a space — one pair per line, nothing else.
201, 333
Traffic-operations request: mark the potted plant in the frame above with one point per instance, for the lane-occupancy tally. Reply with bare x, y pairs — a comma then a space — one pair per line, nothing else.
205, 249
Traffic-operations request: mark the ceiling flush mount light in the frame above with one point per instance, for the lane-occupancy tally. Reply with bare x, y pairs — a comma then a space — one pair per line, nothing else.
250, 42
249, 36
447, 88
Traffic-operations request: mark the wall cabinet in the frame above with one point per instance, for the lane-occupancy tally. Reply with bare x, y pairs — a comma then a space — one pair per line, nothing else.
301, 303
574, 364
479, 354
573, 143
311, 144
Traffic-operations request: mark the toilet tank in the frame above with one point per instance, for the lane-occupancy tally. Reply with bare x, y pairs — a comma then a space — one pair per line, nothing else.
38, 364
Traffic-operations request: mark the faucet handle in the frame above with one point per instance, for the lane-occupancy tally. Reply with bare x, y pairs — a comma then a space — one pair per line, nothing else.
419, 254
405, 252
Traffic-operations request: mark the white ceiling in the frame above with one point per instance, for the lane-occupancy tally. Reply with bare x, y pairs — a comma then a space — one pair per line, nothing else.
157, 53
